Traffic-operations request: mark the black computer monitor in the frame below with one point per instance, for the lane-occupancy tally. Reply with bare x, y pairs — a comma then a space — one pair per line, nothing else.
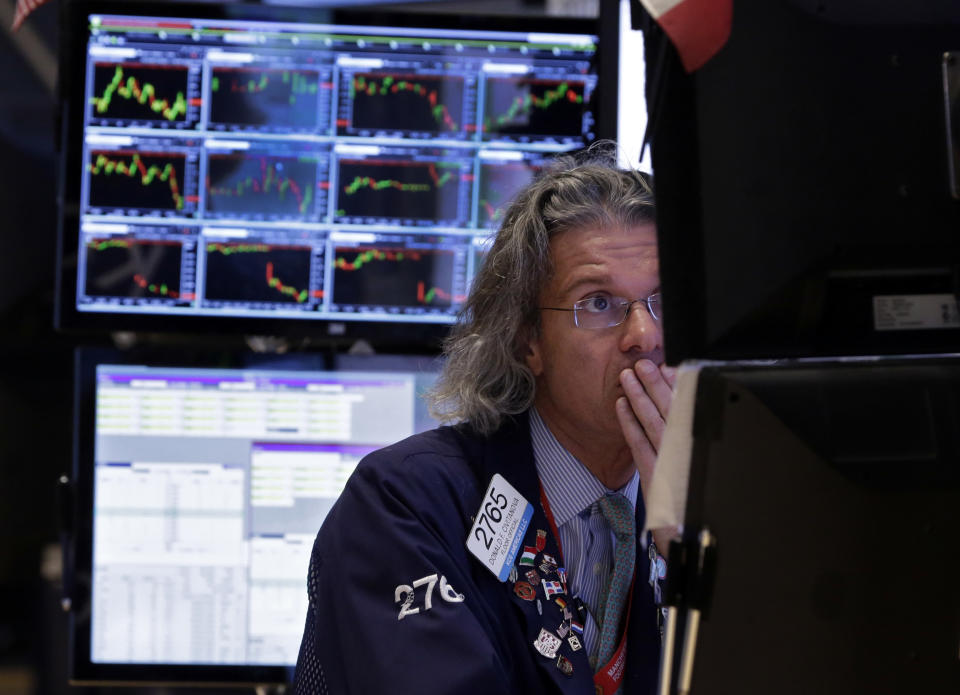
805, 203
199, 491
830, 492
308, 170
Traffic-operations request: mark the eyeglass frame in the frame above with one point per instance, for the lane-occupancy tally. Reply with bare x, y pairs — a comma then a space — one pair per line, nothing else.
627, 304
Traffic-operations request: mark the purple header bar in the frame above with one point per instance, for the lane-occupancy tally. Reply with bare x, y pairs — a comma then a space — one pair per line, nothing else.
349, 449
259, 381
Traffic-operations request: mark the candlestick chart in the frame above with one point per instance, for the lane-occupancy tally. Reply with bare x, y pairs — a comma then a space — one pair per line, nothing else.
137, 180
397, 189
139, 92
260, 273
129, 268
394, 276
530, 106
265, 97
404, 102
241, 185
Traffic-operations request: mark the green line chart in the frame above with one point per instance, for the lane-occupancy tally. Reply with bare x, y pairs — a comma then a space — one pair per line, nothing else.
140, 92
529, 106
260, 273
132, 179
404, 102
399, 189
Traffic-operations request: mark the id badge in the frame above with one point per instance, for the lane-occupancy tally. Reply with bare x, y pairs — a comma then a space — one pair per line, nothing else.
499, 527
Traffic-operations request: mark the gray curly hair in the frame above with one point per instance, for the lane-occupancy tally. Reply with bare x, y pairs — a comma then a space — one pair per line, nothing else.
485, 376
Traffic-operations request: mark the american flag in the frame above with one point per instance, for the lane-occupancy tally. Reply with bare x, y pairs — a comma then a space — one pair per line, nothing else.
697, 28
24, 7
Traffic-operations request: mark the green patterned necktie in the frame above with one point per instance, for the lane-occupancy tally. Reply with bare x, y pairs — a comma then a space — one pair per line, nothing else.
620, 515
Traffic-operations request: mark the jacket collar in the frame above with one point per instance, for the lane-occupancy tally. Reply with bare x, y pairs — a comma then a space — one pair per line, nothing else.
510, 453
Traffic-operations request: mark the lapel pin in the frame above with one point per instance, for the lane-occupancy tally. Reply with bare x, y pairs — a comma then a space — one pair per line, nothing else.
529, 556
524, 591
551, 588
581, 609
547, 643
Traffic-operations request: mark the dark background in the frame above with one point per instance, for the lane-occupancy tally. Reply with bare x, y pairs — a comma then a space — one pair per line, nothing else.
35, 363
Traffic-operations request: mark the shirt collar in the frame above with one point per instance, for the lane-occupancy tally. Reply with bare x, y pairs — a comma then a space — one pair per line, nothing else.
569, 486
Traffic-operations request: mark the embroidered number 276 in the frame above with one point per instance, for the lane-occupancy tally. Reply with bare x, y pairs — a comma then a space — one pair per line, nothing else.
404, 595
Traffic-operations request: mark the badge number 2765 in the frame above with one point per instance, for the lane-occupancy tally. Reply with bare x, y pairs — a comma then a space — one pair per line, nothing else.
492, 512
498, 528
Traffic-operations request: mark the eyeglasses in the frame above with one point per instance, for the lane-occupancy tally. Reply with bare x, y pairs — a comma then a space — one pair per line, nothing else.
604, 311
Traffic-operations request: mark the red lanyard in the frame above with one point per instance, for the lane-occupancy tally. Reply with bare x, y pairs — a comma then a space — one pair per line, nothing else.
609, 678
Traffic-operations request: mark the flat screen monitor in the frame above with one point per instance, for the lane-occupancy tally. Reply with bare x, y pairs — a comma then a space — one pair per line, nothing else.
264, 169
200, 490
804, 198
831, 492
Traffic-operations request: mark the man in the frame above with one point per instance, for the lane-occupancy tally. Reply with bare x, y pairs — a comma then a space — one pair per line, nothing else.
500, 555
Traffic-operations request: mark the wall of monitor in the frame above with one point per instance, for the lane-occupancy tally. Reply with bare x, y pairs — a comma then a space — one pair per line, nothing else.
332, 178
338, 172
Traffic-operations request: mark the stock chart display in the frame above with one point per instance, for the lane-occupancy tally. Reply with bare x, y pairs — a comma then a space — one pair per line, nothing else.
531, 107
141, 92
401, 190
403, 103
274, 99
319, 171
262, 186
141, 181
148, 269
259, 273
412, 277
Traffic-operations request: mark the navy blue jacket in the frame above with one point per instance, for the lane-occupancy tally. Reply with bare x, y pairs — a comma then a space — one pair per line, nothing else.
404, 516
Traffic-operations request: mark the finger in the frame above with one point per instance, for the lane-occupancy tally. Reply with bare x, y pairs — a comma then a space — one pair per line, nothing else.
669, 375
645, 411
655, 385
644, 454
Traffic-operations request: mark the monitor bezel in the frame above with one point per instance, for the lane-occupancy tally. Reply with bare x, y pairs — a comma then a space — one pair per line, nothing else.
399, 334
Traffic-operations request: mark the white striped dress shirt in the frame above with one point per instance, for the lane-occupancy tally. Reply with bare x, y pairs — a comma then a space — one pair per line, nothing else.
586, 539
